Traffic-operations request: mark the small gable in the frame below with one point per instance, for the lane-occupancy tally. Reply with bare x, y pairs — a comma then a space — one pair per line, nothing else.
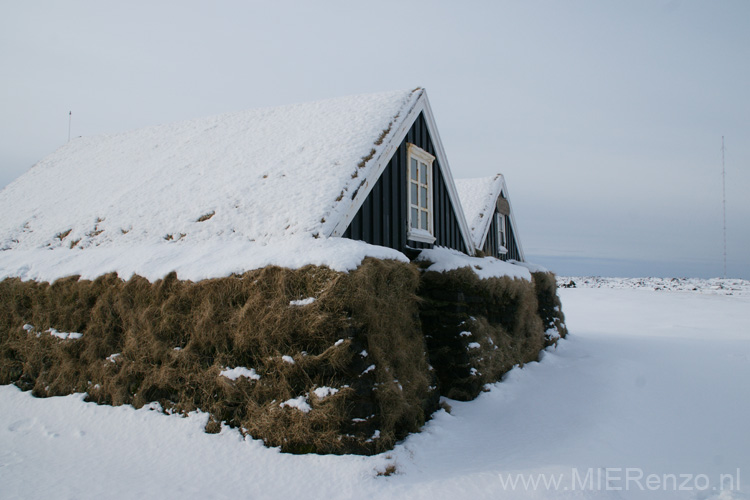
501, 239
489, 212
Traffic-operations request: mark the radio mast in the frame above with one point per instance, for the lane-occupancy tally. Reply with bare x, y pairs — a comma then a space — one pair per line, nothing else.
724, 203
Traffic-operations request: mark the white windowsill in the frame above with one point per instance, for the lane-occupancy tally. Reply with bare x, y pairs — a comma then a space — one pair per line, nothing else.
420, 235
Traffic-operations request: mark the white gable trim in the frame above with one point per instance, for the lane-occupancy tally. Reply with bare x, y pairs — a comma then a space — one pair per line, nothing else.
421, 105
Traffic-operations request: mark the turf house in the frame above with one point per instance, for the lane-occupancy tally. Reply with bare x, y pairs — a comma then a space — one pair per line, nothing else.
308, 275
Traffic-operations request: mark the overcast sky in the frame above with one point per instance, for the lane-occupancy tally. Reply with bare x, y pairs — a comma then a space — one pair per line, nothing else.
605, 117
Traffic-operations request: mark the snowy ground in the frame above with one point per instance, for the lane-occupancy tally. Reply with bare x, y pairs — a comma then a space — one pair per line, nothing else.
716, 286
650, 391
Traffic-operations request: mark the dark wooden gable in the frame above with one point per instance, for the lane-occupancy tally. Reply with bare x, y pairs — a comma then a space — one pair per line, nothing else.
382, 218
491, 242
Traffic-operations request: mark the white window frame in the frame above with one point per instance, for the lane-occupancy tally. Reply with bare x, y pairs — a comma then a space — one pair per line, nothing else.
424, 160
502, 233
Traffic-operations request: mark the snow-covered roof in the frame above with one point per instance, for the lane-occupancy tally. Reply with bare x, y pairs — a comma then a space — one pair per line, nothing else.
168, 196
251, 175
478, 199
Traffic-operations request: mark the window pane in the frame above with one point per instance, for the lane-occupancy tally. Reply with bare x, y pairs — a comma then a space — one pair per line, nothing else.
423, 197
413, 199
414, 218
424, 220
422, 173
414, 169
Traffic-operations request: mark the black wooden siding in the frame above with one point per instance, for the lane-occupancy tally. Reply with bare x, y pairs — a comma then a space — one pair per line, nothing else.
491, 244
382, 218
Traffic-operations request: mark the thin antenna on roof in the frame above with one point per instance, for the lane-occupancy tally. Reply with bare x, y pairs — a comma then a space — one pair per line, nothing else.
70, 121
724, 203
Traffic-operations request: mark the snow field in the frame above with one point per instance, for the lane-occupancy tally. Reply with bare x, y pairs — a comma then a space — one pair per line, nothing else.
716, 286
648, 380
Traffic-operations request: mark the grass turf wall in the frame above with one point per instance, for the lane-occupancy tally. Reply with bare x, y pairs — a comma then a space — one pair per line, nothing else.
348, 372
550, 307
478, 329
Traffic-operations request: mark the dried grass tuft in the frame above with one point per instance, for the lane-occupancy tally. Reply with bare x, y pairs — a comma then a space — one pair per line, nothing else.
389, 470
363, 161
206, 216
384, 133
